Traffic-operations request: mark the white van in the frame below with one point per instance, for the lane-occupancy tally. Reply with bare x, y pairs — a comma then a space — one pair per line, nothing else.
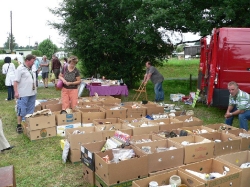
12, 56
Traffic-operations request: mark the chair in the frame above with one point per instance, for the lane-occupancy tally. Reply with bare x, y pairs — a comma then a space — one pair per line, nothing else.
139, 91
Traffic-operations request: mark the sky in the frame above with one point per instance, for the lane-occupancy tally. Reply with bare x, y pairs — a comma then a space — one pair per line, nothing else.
29, 22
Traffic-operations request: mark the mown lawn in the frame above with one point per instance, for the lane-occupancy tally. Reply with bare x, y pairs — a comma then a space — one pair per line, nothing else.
38, 163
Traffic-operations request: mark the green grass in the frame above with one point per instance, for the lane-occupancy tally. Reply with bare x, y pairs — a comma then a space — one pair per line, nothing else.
38, 163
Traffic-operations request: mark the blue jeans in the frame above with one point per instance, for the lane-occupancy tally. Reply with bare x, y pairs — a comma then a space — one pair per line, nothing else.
10, 92
243, 118
159, 93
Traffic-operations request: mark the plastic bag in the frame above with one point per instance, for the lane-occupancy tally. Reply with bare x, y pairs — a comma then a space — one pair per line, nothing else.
52, 77
122, 154
65, 151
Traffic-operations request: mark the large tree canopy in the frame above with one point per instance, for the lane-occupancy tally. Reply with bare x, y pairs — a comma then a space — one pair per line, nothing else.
115, 38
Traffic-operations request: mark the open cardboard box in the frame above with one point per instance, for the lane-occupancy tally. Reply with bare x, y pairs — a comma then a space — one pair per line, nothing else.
40, 122
135, 112
64, 119
195, 121
137, 139
232, 177
196, 152
163, 179
88, 151
229, 143
41, 133
138, 130
165, 159
119, 113
245, 141
197, 129
216, 127
89, 114
236, 159
153, 108
106, 121
115, 173
76, 140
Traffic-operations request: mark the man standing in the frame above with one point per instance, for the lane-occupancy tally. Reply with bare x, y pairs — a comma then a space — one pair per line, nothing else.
55, 66
35, 68
239, 104
25, 90
44, 64
153, 74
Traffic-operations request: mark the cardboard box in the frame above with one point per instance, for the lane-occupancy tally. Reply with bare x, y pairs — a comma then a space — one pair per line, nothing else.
69, 132
64, 119
49, 102
60, 130
40, 122
109, 130
236, 159
189, 121
217, 127
111, 113
89, 114
135, 112
163, 179
137, 139
106, 121
163, 171
54, 107
7, 176
88, 151
88, 175
154, 109
196, 152
232, 178
197, 129
229, 143
113, 173
132, 120
245, 141
74, 155
41, 133
137, 129
169, 124
76, 140
165, 159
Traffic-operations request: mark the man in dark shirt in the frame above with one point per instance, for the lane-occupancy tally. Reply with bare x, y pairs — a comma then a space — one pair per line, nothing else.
153, 74
55, 66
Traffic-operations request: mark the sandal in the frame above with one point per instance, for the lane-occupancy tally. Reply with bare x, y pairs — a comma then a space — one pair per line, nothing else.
19, 130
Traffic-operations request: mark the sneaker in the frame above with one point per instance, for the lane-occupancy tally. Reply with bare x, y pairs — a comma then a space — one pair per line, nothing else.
19, 130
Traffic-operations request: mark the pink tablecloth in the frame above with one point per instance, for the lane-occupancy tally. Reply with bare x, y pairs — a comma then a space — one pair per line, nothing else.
108, 90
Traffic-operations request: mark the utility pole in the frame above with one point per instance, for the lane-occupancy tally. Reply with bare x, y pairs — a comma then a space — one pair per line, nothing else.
11, 35
29, 40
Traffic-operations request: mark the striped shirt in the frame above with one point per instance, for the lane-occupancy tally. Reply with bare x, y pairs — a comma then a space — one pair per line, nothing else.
241, 100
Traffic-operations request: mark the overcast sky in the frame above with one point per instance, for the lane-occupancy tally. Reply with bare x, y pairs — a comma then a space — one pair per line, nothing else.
29, 22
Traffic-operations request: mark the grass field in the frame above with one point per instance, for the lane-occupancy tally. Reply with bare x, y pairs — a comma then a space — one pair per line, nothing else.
38, 163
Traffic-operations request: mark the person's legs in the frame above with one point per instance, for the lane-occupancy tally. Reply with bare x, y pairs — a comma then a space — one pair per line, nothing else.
161, 92
73, 95
9, 92
31, 104
43, 77
12, 92
21, 112
56, 72
229, 121
46, 79
158, 93
243, 118
65, 98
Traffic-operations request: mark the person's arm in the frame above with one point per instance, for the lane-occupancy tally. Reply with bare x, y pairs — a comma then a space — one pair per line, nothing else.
77, 82
16, 90
148, 76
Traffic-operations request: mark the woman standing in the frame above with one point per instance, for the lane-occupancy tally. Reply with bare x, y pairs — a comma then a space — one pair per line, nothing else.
70, 76
9, 70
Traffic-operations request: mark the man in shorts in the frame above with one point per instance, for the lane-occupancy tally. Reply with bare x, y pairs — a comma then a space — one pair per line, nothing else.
44, 64
25, 90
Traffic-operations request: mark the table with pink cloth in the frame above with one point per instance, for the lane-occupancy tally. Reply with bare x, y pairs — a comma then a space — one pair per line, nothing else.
108, 90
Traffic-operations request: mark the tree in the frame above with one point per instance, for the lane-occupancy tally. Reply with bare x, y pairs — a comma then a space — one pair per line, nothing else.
37, 53
7, 44
47, 48
112, 38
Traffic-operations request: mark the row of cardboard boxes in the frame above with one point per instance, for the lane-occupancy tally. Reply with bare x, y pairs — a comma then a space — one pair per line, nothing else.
56, 122
97, 171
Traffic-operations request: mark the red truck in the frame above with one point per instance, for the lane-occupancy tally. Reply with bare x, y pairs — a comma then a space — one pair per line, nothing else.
225, 59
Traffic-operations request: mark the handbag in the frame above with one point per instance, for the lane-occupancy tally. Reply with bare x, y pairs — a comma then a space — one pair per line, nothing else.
59, 83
